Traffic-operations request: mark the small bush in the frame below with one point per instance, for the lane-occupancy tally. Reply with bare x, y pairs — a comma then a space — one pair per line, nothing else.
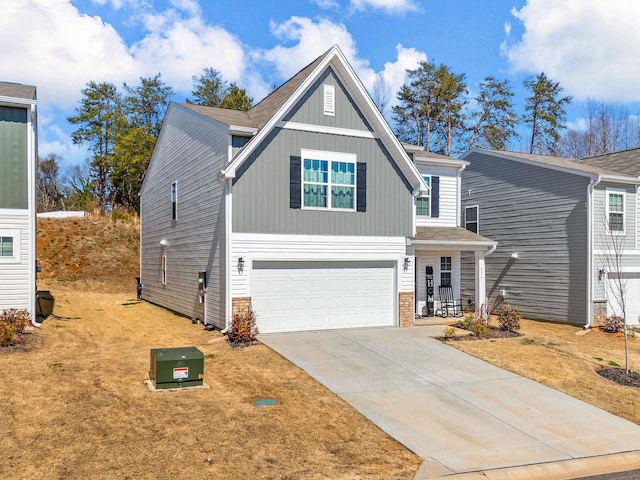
465, 322
613, 324
509, 318
478, 327
7, 335
13, 322
243, 329
449, 332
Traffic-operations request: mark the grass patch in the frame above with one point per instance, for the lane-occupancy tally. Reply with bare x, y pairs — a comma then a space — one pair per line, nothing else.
569, 365
79, 407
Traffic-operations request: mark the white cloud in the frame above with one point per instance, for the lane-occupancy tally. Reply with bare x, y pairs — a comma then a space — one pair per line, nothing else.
327, 4
591, 47
62, 51
181, 47
389, 6
314, 38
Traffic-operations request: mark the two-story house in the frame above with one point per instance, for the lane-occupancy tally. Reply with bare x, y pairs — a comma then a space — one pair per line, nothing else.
18, 156
302, 208
555, 221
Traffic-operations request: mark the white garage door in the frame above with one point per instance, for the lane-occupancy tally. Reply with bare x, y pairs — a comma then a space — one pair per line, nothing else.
293, 296
632, 297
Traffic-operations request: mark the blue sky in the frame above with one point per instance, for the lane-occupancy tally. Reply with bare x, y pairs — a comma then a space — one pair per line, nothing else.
592, 47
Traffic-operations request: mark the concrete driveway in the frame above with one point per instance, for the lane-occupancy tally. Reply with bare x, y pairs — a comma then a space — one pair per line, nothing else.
459, 413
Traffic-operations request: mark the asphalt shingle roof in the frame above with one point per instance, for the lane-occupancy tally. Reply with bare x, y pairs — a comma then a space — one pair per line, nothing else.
561, 162
17, 90
260, 114
626, 162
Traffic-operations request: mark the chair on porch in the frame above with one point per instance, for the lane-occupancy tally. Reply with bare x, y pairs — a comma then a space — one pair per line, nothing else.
449, 307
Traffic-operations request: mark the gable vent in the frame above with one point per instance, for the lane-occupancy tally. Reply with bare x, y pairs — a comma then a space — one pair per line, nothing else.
329, 100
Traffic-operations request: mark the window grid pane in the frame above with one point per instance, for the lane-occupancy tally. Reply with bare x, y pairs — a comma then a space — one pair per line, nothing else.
317, 184
6, 246
423, 206
342, 197
616, 212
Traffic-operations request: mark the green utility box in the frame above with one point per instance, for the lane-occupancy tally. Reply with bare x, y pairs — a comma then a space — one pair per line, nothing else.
176, 367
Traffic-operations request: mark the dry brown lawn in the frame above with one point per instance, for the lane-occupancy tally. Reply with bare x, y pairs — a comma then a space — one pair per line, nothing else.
73, 404
567, 358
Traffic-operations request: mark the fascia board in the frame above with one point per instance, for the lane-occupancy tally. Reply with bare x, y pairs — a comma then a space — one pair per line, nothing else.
11, 101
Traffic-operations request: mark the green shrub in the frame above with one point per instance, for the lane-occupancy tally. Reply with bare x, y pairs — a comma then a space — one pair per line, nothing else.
449, 332
243, 329
478, 327
465, 322
13, 322
509, 318
613, 324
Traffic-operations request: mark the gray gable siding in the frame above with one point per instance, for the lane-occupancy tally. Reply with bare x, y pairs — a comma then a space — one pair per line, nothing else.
191, 150
14, 163
541, 215
261, 190
310, 108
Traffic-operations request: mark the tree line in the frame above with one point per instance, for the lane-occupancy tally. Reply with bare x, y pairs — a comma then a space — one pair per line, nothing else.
120, 127
434, 110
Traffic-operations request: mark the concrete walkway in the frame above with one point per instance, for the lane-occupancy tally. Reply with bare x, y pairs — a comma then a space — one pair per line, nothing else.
459, 413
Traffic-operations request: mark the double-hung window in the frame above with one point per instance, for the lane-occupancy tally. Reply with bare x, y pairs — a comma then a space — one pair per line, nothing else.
471, 218
445, 271
423, 203
615, 211
328, 180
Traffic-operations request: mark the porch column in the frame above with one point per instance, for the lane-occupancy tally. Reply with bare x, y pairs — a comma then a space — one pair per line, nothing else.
481, 290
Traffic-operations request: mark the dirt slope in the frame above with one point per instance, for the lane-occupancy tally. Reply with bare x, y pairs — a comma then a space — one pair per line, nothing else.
92, 252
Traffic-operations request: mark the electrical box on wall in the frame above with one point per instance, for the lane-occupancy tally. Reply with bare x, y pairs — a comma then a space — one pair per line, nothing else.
176, 367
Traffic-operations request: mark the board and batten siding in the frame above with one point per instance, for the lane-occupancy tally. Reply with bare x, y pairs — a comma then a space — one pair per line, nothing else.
261, 190
541, 215
310, 108
14, 158
191, 150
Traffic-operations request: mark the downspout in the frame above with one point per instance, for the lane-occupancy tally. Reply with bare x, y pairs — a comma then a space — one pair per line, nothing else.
459, 197
33, 165
590, 190
227, 261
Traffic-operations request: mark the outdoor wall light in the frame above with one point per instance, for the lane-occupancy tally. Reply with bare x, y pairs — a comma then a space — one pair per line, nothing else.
600, 274
406, 262
240, 262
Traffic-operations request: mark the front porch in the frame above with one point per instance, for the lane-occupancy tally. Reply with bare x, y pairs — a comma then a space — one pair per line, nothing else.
436, 255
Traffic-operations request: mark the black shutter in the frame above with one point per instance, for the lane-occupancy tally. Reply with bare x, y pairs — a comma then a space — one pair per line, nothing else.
295, 187
435, 197
361, 187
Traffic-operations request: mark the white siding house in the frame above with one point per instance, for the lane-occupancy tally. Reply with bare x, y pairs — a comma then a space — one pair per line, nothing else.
18, 156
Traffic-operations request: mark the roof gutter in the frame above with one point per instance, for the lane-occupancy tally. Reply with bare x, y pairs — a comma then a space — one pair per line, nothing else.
590, 189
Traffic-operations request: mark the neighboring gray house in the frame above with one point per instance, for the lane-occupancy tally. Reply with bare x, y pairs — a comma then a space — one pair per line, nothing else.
18, 156
303, 208
552, 218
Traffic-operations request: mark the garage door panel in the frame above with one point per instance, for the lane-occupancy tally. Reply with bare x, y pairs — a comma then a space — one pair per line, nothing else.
289, 296
632, 296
